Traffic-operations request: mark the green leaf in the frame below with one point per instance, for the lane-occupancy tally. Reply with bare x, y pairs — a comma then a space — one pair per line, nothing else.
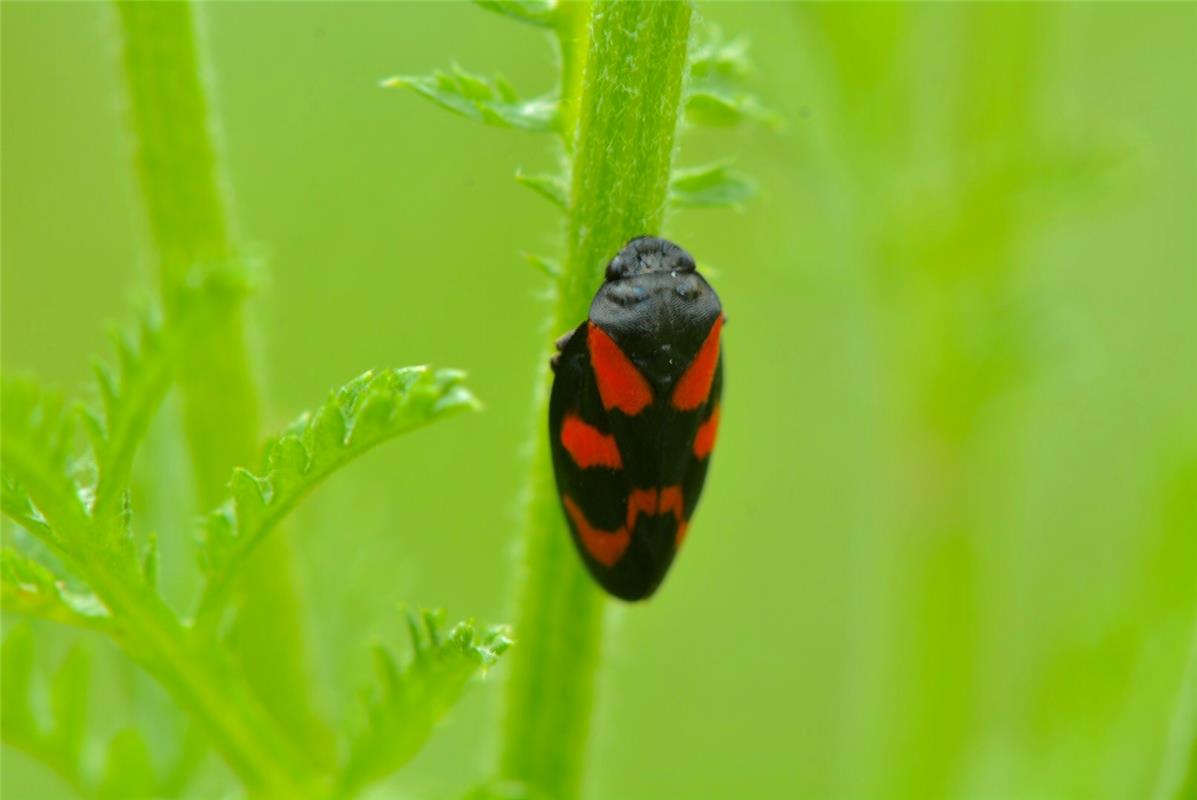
364, 413
721, 108
710, 186
60, 745
546, 265
492, 101
128, 769
408, 700
715, 61
532, 12
18, 507
550, 187
16, 690
37, 437
42, 491
717, 94
68, 705
28, 587
129, 396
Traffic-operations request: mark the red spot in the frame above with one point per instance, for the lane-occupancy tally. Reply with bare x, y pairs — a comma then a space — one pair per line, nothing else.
652, 502
694, 386
588, 446
704, 440
620, 384
641, 501
605, 547
671, 502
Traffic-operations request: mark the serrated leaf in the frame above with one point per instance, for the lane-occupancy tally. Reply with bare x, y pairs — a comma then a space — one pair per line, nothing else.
710, 186
550, 187
720, 108
128, 769
715, 61
18, 507
60, 744
718, 94
532, 12
36, 453
546, 265
364, 413
129, 395
408, 700
29, 587
489, 100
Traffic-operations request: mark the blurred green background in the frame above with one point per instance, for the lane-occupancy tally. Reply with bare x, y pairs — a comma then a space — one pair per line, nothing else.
949, 541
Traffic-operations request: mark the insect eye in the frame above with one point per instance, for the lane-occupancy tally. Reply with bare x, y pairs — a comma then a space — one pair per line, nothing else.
627, 295
687, 290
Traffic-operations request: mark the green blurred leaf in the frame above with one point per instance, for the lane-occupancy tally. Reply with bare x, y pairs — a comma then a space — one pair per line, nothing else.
710, 186
128, 769
546, 265
367, 411
489, 100
29, 587
717, 94
36, 449
408, 700
715, 61
129, 396
532, 12
60, 744
551, 187
16, 711
721, 108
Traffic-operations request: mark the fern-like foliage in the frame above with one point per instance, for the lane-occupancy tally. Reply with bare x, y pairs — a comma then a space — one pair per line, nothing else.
30, 587
37, 448
710, 186
409, 698
129, 395
59, 736
68, 499
718, 93
490, 100
362, 414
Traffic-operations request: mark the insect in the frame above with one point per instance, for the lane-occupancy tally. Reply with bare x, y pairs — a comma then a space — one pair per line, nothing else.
634, 412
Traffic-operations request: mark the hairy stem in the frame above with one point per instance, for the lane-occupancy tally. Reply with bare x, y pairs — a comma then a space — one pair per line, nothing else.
181, 185
624, 113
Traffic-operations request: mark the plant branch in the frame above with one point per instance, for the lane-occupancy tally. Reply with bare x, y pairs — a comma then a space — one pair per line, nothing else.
182, 188
628, 104
149, 632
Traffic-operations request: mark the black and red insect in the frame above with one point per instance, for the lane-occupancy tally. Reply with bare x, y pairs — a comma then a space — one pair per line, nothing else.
634, 412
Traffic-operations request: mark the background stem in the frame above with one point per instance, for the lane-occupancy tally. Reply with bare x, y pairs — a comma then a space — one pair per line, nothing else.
181, 185
627, 116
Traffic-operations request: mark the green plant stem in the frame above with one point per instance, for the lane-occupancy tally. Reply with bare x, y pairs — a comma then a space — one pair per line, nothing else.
182, 190
628, 113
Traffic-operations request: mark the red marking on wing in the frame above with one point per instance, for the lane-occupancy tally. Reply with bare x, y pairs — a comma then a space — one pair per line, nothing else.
651, 502
620, 384
605, 547
694, 386
641, 501
588, 446
704, 440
